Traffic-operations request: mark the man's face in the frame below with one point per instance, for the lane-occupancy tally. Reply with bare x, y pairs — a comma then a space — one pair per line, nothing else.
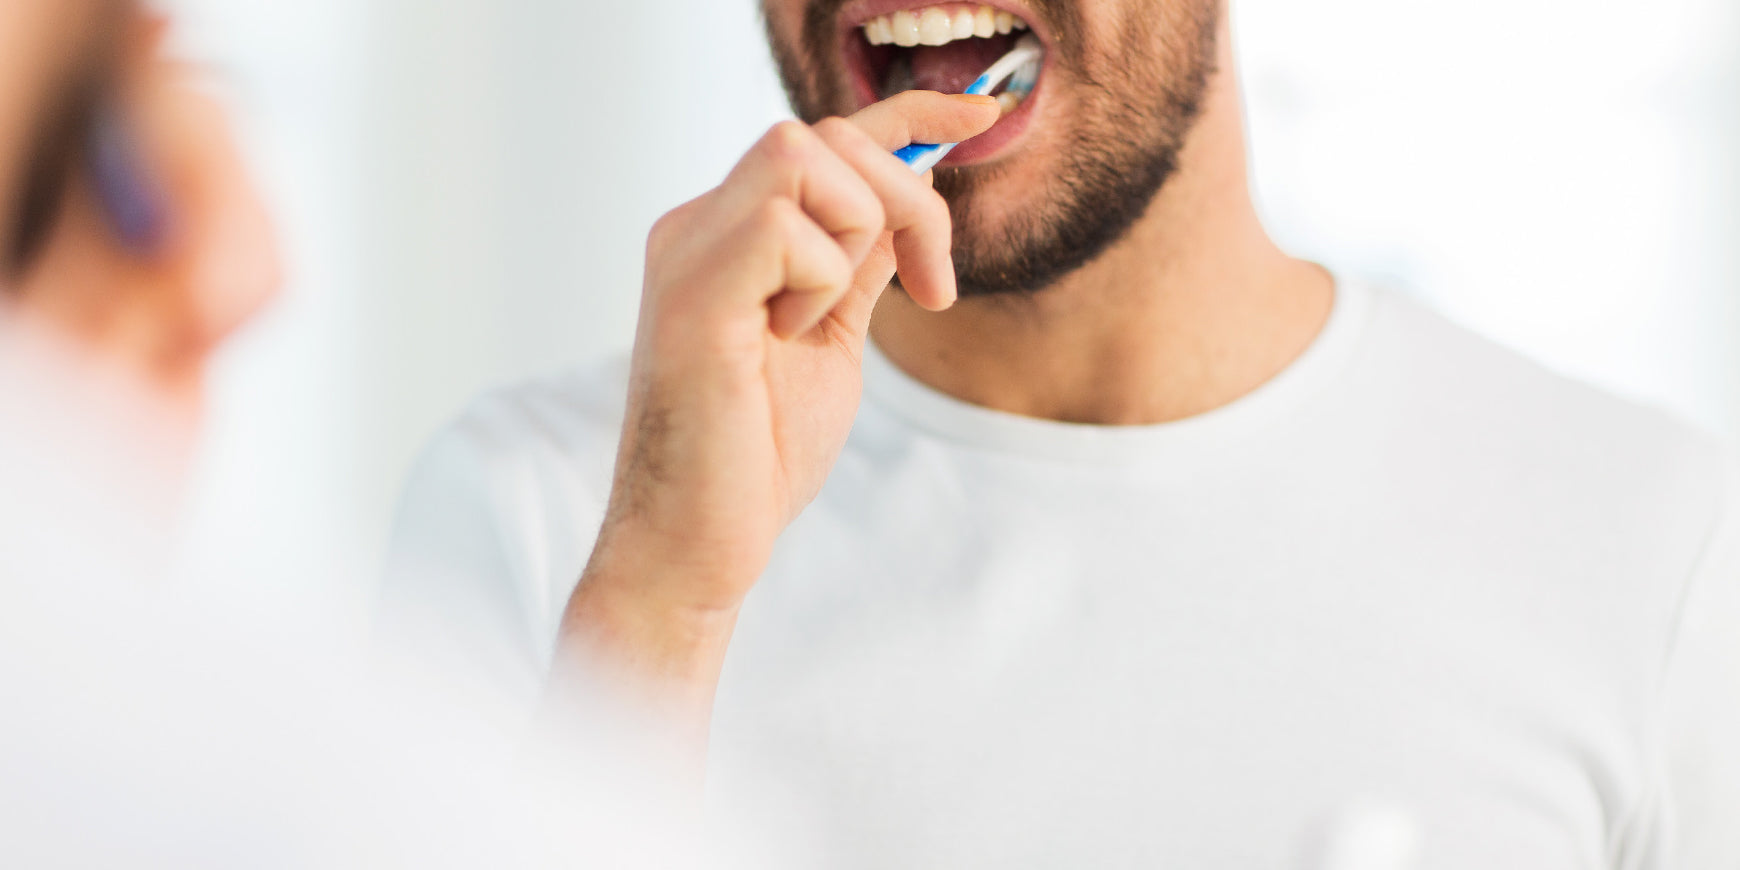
1064, 175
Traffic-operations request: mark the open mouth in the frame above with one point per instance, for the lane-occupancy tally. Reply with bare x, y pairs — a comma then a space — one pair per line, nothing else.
942, 47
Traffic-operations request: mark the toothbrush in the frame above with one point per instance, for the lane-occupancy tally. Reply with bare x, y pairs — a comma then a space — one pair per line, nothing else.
1020, 67
131, 199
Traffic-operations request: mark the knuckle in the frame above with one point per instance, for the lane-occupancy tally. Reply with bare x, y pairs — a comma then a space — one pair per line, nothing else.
875, 214
907, 99
827, 272
786, 141
862, 233
671, 226
663, 230
840, 267
835, 128
774, 231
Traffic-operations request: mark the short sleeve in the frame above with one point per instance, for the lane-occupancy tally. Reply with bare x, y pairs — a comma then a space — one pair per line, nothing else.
497, 520
454, 591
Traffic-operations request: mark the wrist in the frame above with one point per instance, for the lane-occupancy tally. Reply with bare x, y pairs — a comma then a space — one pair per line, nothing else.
608, 603
639, 609
636, 670
677, 572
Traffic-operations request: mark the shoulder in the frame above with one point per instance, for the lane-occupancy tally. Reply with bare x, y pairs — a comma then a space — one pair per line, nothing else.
1553, 489
565, 412
1470, 398
526, 466
559, 429
497, 518
529, 455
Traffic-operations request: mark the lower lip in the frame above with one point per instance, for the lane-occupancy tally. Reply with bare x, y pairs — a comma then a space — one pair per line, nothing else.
981, 148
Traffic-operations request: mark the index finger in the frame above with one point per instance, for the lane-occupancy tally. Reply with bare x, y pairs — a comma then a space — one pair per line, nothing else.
926, 117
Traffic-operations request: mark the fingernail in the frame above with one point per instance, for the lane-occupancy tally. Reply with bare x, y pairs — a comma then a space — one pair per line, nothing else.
981, 99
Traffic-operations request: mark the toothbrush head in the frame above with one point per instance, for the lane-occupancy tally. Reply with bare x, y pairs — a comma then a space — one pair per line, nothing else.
1020, 65
1024, 79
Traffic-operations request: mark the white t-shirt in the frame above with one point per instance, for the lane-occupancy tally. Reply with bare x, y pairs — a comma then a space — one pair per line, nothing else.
1415, 578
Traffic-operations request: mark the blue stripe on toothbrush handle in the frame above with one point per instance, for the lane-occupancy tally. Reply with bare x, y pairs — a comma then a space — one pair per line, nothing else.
923, 157
914, 152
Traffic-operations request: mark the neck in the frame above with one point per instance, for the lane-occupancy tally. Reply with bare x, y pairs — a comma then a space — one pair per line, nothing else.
1191, 310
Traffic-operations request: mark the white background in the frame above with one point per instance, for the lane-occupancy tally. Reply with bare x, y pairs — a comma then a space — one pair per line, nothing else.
463, 187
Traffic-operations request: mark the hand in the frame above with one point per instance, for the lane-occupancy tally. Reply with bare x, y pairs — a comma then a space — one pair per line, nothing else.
746, 378
746, 372
155, 313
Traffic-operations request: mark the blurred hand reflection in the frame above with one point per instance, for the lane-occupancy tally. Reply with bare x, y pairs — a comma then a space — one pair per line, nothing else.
134, 239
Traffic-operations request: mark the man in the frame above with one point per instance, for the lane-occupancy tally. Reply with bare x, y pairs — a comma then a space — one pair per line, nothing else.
1148, 545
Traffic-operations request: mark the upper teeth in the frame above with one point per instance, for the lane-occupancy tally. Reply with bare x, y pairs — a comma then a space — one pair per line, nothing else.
936, 26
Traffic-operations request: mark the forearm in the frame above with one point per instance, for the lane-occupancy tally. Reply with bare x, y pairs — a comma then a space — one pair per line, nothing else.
745, 380
642, 659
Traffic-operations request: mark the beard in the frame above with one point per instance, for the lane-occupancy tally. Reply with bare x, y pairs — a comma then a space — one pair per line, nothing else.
1136, 96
